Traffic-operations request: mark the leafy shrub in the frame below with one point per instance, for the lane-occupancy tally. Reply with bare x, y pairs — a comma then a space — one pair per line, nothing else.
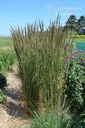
3, 81
77, 121
75, 79
7, 58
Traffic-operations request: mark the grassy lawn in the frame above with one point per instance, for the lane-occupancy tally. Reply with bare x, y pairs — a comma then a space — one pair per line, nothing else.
6, 43
7, 54
79, 40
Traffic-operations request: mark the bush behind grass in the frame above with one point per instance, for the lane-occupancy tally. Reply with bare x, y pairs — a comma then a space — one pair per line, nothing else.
41, 56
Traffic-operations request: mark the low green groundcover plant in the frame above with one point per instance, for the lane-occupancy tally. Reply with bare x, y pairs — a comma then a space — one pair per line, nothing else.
1, 96
7, 58
75, 80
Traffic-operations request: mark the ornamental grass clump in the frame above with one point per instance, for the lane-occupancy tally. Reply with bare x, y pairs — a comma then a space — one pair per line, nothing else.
41, 55
75, 80
51, 119
58, 119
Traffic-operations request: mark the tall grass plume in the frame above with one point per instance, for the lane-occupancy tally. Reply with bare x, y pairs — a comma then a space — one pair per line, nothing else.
42, 55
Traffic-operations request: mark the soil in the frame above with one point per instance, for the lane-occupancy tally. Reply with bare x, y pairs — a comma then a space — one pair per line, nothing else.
12, 111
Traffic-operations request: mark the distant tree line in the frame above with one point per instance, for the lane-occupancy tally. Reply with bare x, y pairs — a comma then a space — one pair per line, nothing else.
74, 24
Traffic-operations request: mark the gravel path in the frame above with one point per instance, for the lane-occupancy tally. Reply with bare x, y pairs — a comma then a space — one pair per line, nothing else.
12, 111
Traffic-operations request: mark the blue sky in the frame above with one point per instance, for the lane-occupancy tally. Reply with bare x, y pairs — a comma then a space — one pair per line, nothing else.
20, 12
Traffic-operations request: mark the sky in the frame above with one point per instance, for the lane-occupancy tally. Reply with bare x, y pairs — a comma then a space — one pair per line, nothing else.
21, 12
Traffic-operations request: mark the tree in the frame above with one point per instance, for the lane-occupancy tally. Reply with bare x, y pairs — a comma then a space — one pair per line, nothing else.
71, 22
81, 21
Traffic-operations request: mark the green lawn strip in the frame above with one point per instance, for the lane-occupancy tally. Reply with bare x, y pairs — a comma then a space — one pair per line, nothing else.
6, 42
